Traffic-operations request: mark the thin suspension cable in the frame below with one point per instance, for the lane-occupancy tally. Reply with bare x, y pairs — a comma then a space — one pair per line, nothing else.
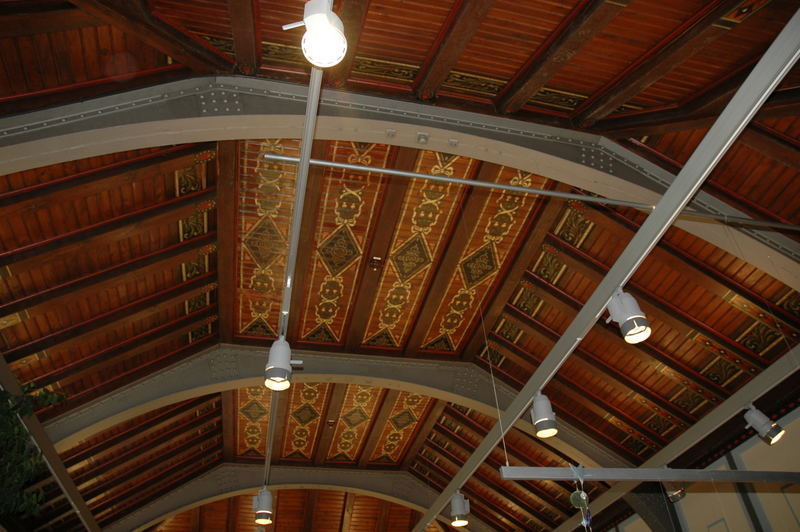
273, 420
646, 207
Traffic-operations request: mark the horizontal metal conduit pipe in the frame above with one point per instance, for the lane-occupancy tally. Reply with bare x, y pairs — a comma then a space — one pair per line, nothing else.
653, 474
702, 216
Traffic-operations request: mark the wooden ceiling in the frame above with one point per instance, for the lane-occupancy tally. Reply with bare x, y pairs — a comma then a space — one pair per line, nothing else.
118, 266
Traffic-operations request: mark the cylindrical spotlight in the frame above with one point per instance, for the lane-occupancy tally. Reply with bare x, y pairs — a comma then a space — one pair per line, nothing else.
768, 430
278, 372
459, 508
263, 505
675, 491
632, 322
543, 417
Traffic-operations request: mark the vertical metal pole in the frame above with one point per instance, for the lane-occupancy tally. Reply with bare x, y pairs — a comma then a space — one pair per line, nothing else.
766, 75
309, 126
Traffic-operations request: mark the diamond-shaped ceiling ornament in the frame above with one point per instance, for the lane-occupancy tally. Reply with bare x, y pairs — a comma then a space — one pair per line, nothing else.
305, 414
479, 265
253, 411
355, 417
339, 250
403, 419
411, 257
264, 242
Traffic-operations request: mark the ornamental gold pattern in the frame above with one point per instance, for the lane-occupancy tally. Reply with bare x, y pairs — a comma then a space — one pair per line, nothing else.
305, 418
428, 211
347, 212
252, 421
358, 408
489, 244
266, 189
399, 431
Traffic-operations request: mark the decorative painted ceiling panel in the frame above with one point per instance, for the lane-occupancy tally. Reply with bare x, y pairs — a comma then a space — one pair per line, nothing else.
355, 421
419, 241
493, 233
345, 219
266, 191
252, 420
304, 421
408, 411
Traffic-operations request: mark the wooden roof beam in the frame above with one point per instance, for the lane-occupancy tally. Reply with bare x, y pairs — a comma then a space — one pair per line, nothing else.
575, 32
446, 52
245, 25
353, 14
772, 144
226, 175
580, 261
380, 419
133, 17
425, 429
333, 410
683, 43
131, 311
782, 103
45, 21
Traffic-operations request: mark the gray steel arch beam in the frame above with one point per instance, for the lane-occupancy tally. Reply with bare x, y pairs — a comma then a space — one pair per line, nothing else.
229, 108
228, 480
226, 366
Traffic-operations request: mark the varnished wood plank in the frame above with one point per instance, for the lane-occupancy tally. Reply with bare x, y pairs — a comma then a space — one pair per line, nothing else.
353, 14
68, 292
347, 512
445, 55
72, 457
68, 244
143, 306
229, 435
543, 218
133, 17
422, 433
45, 21
468, 217
661, 310
696, 34
570, 38
246, 34
227, 170
330, 419
376, 428
388, 218
771, 144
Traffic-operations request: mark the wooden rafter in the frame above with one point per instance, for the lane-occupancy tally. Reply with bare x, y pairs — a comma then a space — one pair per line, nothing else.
347, 512
227, 169
380, 419
330, 419
228, 398
353, 14
693, 36
447, 52
772, 144
434, 414
543, 218
133, 17
388, 217
246, 34
588, 20
232, 514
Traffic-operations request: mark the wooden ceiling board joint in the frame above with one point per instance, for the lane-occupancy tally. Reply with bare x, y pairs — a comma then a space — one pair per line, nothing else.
353, 15
683, 43
444, 56
388, 219
588, 20
132, 16
541, 221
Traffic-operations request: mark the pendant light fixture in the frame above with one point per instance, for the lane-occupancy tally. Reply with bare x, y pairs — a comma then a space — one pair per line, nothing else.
278, 373
459, 508
324, 43
543, 417
633, 324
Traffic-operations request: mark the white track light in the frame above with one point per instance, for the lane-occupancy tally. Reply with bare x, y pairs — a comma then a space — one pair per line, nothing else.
459, 508
263, 506
278, 372
768, 430
543, 417
633, 324
324, 43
